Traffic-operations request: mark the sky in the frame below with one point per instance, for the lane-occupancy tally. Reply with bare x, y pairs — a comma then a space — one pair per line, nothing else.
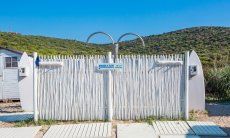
77, 19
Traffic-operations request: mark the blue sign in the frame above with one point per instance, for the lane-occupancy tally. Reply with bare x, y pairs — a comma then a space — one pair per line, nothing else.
110, 66
37, 61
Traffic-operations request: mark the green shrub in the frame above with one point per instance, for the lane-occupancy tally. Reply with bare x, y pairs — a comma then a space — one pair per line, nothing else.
218, 83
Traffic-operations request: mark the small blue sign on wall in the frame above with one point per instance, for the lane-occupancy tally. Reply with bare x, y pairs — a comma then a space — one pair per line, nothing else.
110, 66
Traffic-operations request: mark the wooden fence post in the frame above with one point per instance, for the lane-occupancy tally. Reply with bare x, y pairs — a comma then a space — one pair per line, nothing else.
35, 87
186, 85
109, 92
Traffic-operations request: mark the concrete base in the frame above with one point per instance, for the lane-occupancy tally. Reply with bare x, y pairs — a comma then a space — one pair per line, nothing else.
135, 130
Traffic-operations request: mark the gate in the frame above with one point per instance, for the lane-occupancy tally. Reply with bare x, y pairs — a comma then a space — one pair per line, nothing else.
148, 85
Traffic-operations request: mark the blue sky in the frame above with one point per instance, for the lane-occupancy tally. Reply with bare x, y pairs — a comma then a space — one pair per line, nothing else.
77, 19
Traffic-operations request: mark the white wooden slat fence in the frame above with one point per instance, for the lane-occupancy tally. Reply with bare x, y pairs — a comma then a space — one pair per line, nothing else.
73, 92
78, 91
145, 88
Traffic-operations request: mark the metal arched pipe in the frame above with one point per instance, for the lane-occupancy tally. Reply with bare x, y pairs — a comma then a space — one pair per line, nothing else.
119, 39
110, 37
90, 36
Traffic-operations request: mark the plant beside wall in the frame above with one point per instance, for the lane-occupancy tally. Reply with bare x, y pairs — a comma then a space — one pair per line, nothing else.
218, 84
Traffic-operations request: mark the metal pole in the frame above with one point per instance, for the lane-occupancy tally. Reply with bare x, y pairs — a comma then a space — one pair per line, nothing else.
35, 87
109, 90
115, 52
186, 85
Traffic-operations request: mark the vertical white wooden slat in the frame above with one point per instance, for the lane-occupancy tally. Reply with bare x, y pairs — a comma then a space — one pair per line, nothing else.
35, 87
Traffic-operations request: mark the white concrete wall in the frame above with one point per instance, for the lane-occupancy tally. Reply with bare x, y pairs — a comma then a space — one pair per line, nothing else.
26, 83
196, 85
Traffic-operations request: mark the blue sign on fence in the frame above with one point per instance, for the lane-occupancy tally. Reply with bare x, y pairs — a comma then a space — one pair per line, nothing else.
110, 66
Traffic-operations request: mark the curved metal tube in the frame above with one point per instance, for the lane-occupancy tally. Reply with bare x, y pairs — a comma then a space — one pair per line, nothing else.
110, 37
143, 43
117, 44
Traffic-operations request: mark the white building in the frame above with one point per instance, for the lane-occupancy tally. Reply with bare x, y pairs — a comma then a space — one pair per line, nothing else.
9, 88
9, 73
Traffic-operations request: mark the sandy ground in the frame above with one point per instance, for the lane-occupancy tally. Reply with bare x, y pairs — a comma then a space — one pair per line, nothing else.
217, 113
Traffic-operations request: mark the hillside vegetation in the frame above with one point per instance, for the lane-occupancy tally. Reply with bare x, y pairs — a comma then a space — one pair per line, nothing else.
47, 45
211, 43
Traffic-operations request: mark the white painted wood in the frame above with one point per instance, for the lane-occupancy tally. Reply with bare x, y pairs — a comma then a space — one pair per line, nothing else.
89, 130
135, 130
8, 77
53, 63
172, 128
10, 84
168, 62
144, 88
35, 89
78, 91
196, 85
21, 132
186, 85
75, 91
206, 128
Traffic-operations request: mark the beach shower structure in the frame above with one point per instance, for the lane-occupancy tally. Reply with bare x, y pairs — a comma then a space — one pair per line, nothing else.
107, 87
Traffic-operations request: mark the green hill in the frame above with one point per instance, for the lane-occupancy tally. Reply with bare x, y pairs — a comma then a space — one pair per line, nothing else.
211, 43
47, 45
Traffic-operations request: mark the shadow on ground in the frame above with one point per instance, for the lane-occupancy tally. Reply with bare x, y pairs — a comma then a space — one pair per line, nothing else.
217, 109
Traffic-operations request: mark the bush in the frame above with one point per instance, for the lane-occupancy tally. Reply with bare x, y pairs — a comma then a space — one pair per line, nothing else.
218, 83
